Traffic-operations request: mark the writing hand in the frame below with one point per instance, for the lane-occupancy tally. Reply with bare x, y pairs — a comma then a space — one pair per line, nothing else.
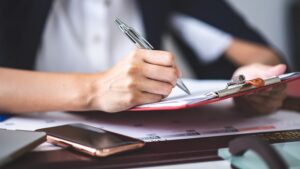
143, 76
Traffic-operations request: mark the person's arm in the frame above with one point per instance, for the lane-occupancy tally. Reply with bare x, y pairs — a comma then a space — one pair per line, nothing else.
209, 43
242, 52
141, 77
248, 45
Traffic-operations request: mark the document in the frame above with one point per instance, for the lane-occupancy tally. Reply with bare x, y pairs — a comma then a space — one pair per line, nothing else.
199, 93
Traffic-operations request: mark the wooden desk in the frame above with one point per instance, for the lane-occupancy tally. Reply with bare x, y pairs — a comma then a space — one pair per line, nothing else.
156, 153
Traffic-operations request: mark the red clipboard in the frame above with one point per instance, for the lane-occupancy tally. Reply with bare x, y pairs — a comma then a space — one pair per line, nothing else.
233, 90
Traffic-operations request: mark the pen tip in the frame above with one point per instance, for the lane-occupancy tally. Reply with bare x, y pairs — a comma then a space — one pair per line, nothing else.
187, 91
182, 86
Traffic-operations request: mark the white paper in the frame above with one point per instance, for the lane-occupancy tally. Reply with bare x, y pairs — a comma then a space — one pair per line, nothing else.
198, 89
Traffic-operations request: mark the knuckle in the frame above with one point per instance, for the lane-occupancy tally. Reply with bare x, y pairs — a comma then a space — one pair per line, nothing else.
132, 69
131, 84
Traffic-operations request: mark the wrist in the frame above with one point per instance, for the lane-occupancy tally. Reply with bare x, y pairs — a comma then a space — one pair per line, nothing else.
87, 91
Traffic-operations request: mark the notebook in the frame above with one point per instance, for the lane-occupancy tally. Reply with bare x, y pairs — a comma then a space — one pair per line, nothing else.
15, 143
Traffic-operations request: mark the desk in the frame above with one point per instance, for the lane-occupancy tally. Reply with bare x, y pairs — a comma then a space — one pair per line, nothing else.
197, 165
155, 153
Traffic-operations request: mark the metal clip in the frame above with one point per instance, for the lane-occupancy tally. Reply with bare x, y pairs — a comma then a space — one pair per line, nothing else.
236, 80
240, 84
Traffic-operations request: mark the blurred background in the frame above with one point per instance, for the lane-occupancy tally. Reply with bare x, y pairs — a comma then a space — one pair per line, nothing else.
277, 20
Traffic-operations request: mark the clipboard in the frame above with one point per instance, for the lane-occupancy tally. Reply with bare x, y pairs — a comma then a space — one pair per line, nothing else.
238, 86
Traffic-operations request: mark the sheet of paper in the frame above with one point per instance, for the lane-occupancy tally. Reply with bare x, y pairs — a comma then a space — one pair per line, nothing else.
206, 121
198, 89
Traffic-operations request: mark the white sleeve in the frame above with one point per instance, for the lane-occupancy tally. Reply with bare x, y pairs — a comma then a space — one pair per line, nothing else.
208, 42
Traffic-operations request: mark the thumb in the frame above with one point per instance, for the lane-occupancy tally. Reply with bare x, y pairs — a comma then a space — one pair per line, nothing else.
276, 70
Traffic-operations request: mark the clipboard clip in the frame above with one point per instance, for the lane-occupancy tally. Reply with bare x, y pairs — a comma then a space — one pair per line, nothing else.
240, 84
241, 80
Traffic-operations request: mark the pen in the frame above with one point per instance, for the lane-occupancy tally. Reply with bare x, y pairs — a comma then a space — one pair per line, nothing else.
142, 43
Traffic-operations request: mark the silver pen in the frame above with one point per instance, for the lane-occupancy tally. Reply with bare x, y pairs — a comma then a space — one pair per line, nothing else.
142, 43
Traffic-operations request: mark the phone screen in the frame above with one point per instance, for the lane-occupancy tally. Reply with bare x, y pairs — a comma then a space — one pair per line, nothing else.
89, 136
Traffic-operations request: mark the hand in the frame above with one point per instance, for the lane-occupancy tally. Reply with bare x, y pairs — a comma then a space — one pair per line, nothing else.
258, 70
264, 102
143, 76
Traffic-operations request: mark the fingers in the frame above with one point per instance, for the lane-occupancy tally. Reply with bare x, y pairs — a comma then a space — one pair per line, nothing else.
156, 73
142, 77
145, 98
155, 87
259, 101
138, 98
275, 70
161, 58
262, 103
134, 81
257, 70
274, 92
250, 106
161, 73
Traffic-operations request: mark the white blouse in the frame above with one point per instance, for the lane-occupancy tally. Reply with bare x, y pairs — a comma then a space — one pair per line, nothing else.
81, 36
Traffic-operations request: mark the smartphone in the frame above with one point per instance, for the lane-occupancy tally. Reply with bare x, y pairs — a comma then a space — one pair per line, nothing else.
91, 140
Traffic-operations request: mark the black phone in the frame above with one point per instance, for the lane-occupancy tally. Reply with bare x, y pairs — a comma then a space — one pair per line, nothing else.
91, 140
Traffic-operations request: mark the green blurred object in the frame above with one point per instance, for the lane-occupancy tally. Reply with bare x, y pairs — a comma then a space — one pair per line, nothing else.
289, 151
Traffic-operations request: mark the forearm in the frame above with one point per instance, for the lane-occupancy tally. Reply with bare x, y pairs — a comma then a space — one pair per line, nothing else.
141, 77
28, 91
244, 53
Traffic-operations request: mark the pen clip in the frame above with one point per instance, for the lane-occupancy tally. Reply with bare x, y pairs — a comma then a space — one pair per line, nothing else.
135, 37
141, 39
